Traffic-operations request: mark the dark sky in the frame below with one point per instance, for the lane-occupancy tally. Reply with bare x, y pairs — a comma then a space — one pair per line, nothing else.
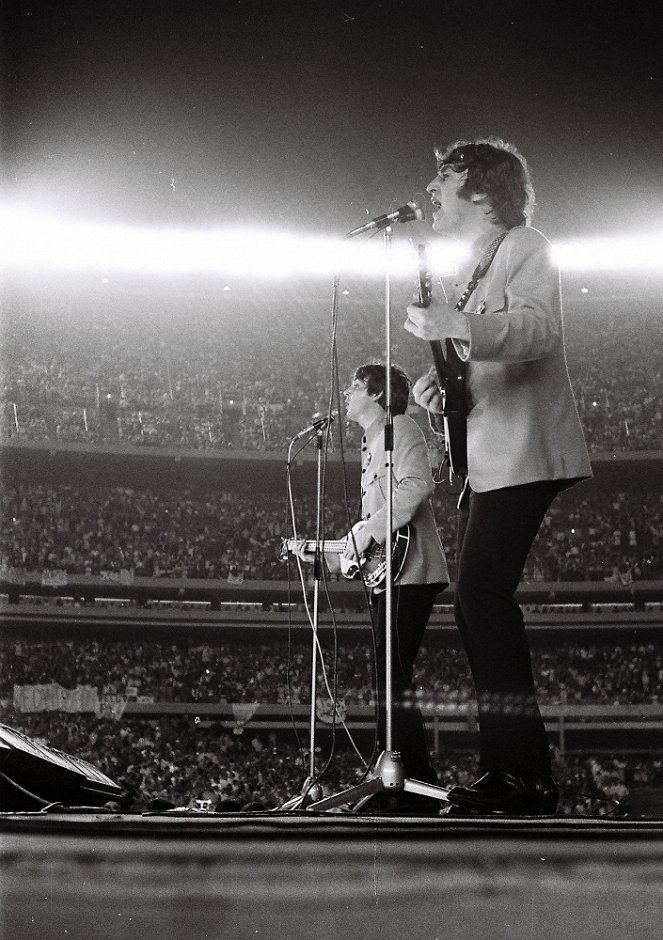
315, 114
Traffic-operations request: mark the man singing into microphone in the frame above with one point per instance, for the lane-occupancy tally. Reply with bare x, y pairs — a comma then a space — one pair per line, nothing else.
524, 444
423, 575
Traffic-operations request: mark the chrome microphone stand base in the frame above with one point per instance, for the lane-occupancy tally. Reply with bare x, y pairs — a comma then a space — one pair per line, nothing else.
311, 793
387, 777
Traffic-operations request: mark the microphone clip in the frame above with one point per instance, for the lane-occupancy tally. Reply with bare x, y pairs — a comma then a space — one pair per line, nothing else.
319, 424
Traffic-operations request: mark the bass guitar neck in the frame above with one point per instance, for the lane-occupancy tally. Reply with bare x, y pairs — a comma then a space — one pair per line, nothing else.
371, 567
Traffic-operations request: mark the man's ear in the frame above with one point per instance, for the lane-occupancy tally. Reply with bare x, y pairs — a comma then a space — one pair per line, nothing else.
478, 198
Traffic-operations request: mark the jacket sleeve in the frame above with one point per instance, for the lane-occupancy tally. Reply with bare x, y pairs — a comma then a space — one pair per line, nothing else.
522, 316
413, 481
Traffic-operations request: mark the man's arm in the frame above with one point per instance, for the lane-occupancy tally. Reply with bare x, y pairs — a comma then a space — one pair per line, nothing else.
524, 322
413, 482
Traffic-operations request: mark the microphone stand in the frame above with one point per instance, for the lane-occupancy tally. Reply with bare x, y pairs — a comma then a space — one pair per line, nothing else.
311, 789
388, 773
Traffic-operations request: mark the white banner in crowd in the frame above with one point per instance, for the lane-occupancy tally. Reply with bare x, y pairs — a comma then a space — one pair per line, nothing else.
54, 577
324, 708
242, 713
12, 575
52, 697
112, 706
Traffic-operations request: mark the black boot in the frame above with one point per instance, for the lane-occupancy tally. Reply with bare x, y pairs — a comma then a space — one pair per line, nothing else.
511, 794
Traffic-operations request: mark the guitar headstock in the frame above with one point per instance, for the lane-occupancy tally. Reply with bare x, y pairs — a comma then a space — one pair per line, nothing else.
424, 277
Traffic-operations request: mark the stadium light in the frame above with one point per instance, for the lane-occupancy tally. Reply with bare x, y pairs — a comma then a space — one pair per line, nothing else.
628, 253
32, 241
29, 240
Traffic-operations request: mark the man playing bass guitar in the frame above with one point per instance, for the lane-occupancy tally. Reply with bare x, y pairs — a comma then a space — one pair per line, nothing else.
423, 574
523, 440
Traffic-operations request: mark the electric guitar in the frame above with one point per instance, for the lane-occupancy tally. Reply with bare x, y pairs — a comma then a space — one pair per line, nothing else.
450, 370
372, 566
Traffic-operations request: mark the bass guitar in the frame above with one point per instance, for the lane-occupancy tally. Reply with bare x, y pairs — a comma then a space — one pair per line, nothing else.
450, 370
372, 566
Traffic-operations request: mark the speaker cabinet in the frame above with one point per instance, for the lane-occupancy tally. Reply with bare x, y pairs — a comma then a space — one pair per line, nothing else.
32, 776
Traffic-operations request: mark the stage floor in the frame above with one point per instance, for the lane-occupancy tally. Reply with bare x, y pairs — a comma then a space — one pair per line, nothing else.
193, 876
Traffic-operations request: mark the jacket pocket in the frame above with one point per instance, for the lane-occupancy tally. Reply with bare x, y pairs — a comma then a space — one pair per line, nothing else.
376, 489
493, 302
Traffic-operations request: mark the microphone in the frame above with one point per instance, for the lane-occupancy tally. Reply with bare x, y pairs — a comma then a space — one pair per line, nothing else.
319, 423
411, 212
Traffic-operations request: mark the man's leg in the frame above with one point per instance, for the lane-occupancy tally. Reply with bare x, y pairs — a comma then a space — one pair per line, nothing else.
411, 608
496, 531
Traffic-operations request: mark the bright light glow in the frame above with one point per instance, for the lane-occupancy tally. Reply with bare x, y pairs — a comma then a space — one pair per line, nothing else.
633, 253
29, 240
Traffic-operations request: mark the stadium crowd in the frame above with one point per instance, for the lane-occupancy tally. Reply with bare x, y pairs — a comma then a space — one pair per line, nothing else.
127, 376
121, 373
173, 761
278, 672
589, 533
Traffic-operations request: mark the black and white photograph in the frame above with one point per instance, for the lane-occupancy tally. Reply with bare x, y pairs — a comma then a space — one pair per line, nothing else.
331, 470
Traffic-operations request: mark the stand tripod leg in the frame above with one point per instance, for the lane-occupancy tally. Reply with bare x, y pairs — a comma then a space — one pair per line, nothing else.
311, 791
388, 775
426, 789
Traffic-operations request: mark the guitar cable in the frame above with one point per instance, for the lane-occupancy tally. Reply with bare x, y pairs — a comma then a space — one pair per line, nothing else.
332, 688
331, 691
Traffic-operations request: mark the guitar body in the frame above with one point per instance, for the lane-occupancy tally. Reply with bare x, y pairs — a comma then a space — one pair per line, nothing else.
451, 374
372, 566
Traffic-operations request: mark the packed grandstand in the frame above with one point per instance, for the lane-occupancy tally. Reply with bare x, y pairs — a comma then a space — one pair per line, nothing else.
93, 385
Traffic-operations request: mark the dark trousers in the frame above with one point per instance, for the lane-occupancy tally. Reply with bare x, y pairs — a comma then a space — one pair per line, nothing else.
411, 609
495, 533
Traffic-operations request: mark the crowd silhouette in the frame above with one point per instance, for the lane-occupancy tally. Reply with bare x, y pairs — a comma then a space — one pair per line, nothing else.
240, 380
590, 534
175, 762
224, 374
278, 671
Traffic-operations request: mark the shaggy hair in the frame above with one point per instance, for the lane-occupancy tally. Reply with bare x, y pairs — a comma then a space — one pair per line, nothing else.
499, 170
374, 374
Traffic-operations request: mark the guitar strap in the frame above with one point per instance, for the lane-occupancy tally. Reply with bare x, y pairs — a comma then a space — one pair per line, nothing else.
482, 267
458, 365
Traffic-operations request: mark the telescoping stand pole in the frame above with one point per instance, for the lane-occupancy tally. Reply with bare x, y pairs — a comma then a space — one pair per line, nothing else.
311, 789
388, 773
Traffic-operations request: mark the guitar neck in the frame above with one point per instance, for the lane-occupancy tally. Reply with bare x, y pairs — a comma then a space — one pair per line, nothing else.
425, 297
438, 360
333, 546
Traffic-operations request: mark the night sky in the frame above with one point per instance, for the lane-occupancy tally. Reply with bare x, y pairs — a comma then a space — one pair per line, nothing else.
317, 115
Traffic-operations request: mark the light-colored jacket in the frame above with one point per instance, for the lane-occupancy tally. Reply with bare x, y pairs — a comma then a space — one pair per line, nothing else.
412, 489
523, 424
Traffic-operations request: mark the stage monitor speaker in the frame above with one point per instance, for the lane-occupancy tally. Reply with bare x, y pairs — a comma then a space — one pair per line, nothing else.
33, 775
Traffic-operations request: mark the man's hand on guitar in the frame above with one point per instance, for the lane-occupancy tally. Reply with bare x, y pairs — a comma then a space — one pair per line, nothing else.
436, 321
303, 554
426, 392
332, 560
362, 540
